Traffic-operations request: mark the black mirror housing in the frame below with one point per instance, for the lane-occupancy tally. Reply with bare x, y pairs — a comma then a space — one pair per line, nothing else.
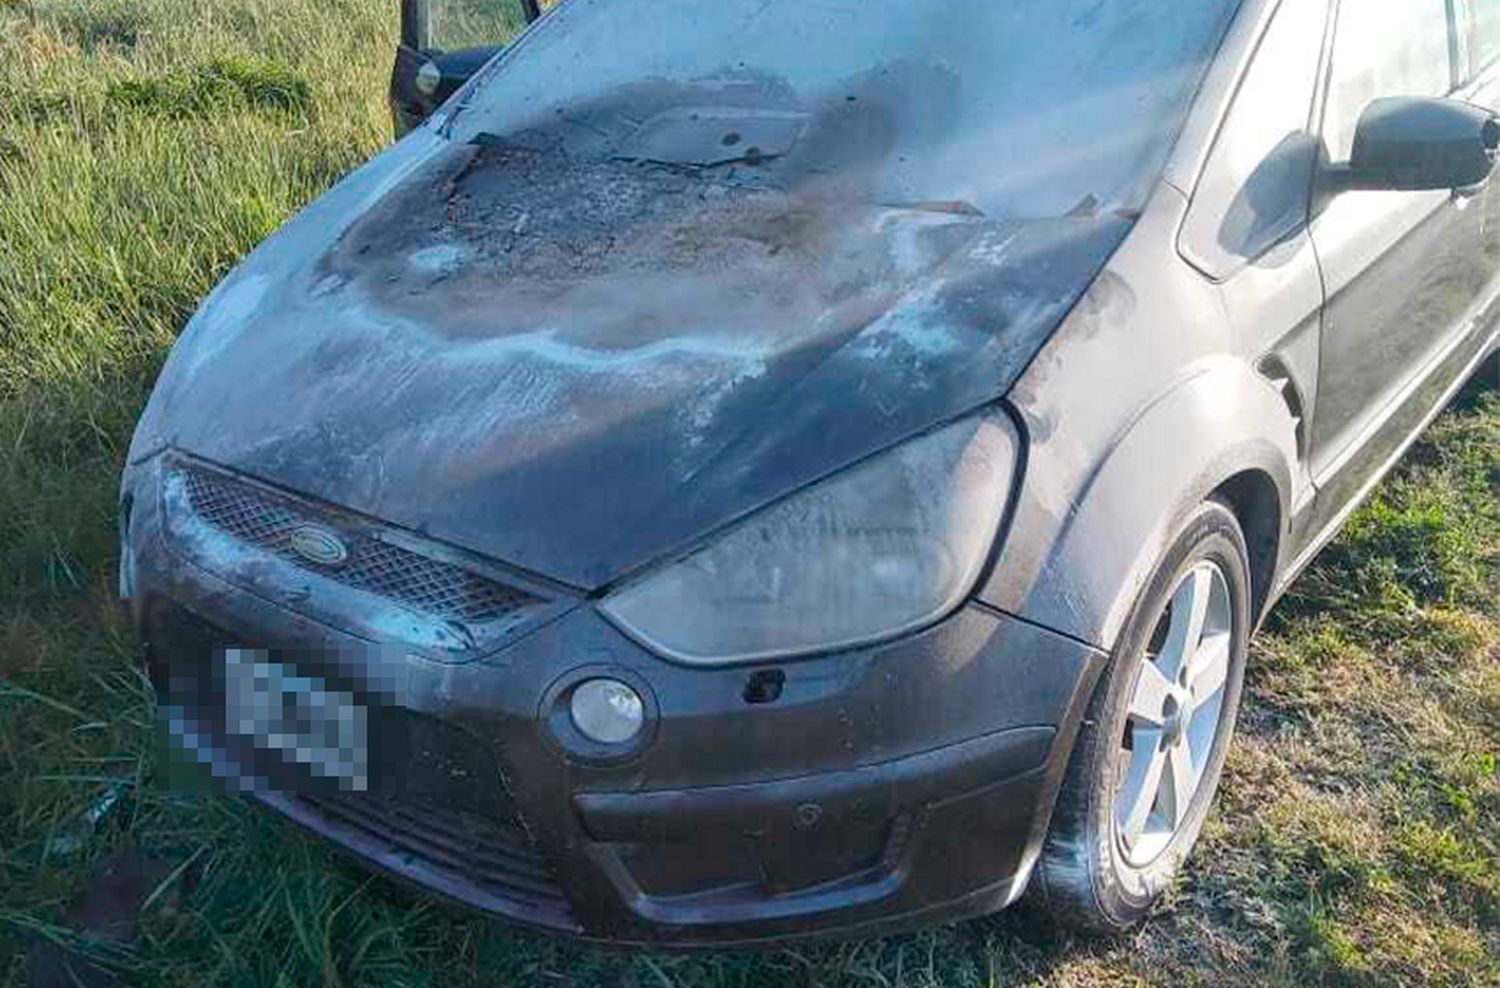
424, 75
421, 83
1411, 144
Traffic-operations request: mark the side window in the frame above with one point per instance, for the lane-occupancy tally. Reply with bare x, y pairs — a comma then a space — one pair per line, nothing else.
1254, 190
1486, 33
457, 24
1384, 49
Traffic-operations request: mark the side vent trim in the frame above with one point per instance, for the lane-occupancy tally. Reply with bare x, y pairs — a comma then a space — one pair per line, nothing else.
1275, 370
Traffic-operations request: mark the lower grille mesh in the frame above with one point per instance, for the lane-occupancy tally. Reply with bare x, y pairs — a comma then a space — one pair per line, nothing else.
261, 518
495, 857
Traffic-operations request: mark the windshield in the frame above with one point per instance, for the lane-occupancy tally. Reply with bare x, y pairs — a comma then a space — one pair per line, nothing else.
1010, 108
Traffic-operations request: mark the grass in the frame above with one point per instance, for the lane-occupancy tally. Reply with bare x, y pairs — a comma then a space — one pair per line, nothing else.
147, 144
220, 86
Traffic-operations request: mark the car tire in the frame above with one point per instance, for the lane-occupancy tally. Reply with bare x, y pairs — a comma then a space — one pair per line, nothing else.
1117, 839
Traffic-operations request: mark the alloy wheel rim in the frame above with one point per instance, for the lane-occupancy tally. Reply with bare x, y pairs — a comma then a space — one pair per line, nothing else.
1173, 718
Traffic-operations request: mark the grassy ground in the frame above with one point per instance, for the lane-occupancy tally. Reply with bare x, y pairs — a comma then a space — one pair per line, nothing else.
145, 144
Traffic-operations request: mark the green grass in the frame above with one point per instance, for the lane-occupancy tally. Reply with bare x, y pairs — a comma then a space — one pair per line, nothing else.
219, 87
147, 144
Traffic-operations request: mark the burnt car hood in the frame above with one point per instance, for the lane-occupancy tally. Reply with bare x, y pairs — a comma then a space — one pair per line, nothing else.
579, 367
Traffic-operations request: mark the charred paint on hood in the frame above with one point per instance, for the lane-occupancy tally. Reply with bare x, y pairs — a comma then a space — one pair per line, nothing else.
579, 354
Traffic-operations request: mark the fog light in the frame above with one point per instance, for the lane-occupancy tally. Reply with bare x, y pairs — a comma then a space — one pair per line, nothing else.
607, 711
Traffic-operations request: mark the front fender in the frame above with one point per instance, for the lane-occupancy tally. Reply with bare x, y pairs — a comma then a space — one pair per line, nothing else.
1079, 570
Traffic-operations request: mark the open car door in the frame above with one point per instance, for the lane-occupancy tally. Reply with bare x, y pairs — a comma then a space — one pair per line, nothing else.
443, 43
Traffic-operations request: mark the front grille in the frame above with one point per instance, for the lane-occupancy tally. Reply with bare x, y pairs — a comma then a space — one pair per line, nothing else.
262, 518
494, 857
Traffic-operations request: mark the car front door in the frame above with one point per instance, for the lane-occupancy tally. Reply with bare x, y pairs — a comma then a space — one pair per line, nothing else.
1403, 271
443, 43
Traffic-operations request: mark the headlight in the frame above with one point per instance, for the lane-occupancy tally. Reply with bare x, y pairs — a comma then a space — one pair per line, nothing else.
881, 549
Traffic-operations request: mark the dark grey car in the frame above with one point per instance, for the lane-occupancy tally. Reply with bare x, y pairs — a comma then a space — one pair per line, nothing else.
747, 470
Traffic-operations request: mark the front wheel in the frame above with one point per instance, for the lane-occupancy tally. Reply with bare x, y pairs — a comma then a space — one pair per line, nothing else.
1148, 758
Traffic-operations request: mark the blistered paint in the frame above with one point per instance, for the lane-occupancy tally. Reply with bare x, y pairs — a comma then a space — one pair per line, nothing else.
439, 258
1022, 108
693, 347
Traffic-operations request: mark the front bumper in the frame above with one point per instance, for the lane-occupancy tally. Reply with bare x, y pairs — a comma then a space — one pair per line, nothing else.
879, 789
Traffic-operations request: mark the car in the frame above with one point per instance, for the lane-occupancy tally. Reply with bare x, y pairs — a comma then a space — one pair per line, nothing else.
742, 472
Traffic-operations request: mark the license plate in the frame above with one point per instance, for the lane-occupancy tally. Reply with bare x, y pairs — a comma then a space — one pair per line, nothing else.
277, 709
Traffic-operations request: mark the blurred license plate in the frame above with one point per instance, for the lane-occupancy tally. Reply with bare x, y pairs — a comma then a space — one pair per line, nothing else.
277, 709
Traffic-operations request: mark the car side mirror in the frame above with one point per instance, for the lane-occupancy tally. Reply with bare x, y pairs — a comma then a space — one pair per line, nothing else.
444, 73
422, 81
425, 74
1409, 144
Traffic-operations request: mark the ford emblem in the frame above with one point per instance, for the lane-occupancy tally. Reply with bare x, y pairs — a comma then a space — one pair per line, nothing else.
318, 545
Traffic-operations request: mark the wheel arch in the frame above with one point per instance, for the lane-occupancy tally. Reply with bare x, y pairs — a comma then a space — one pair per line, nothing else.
1222, 431
1253, 497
